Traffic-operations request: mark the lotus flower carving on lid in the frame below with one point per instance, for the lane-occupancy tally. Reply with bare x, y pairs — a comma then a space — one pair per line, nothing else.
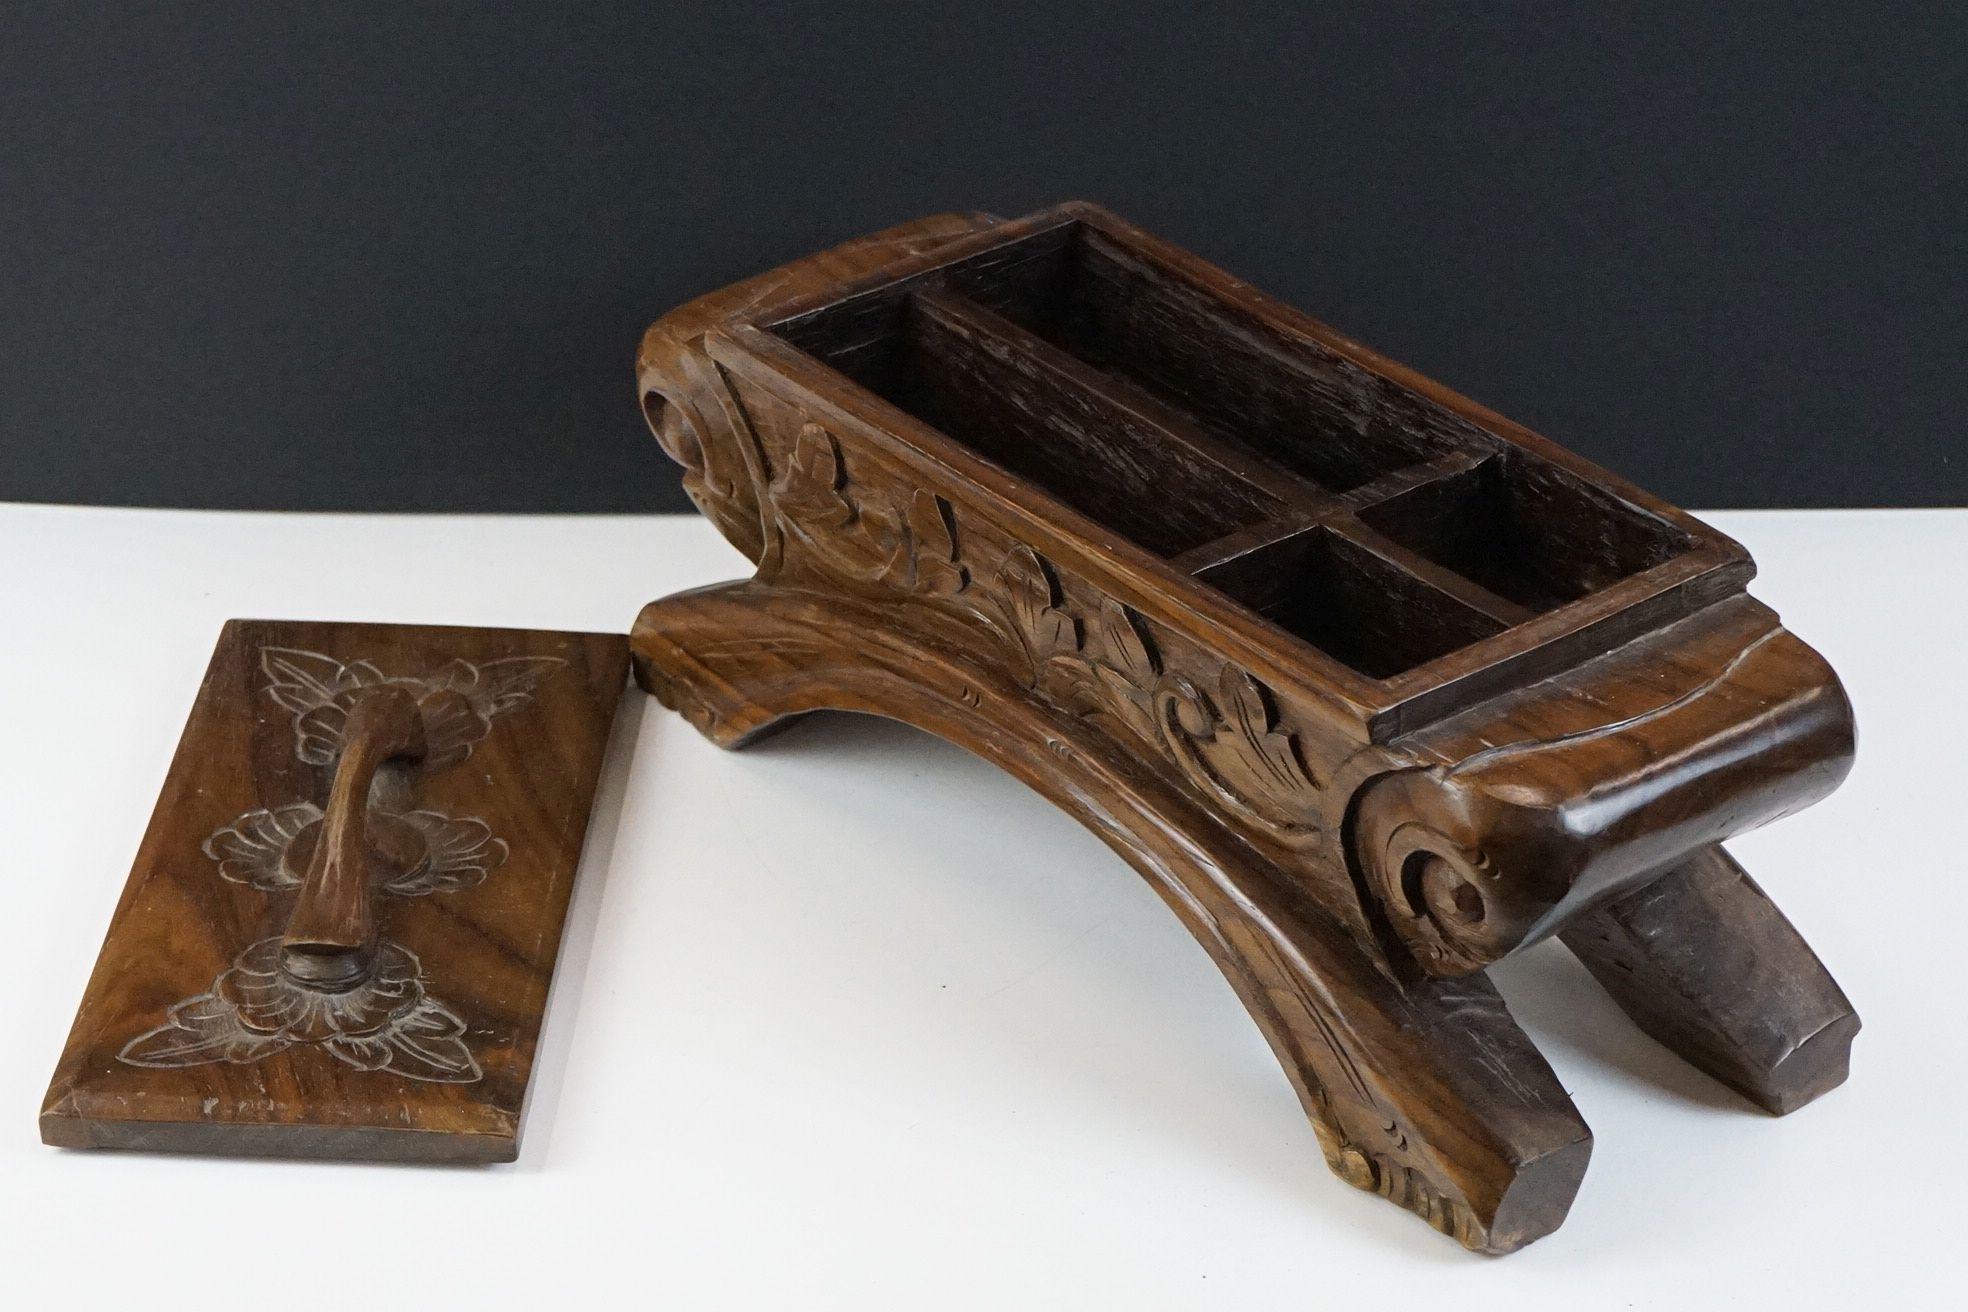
253, 1010
384, 1019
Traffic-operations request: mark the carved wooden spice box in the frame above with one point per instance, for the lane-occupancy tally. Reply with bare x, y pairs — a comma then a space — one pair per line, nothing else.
1375, 686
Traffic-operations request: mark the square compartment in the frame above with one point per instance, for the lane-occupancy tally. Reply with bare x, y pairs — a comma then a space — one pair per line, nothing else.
1527, 530
1350, 604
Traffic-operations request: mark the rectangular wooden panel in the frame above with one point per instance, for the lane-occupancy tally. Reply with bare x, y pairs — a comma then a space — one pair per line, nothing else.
426, 790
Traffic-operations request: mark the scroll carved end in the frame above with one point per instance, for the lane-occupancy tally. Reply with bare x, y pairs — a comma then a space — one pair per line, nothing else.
1463, 879
715, 478
1472, 860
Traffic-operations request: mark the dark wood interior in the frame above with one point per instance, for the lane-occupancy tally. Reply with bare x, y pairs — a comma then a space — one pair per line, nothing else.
1026, 410
1533, 534
1354, 605
1355, 513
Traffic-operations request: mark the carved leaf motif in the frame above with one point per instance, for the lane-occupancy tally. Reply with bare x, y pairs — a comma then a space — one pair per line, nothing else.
932, 543
494, 687
453, 725
1120, 644
853, 540
462, 852
1231, 744
1104, 665
203, 1028
249, 850
1273, 759
426, 1044
1031, 597
299, 681
253, 1010
458, 702
810, 491
1125, 666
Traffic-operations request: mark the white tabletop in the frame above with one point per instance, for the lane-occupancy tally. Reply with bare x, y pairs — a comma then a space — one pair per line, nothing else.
852, 1020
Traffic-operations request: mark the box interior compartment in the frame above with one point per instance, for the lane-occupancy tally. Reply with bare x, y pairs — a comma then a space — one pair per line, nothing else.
1349, 603
1289, 400
970, 382
1528, 531
1185, 422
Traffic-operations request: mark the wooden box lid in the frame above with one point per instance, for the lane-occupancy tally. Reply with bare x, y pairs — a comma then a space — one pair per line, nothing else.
339, 932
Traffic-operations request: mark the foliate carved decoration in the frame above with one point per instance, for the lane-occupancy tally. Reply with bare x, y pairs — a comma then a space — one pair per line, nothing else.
387, 1022
1032, 607
261, 848
384, 1019
912, 547
1233, 743
691, 405
457, 701
811, 497
1219, 725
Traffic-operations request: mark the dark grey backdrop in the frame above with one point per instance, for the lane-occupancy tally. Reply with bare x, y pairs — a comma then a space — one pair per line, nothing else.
390, 256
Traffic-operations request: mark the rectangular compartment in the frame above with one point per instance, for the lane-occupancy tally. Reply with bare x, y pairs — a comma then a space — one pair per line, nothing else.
859, 334
1349, 603
1283, 397
1031, 418
1526, 530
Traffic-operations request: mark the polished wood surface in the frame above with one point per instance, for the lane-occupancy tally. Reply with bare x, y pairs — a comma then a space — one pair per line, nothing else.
1375, 686
331, 935
339, 932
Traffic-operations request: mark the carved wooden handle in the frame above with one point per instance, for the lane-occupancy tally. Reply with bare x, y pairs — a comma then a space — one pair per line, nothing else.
331, 937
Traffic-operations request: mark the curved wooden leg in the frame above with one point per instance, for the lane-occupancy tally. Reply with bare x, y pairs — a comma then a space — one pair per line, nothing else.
1703, 961
1422, 1090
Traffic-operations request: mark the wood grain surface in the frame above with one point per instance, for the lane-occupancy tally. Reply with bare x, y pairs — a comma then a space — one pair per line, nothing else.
192, 1037
1376, 686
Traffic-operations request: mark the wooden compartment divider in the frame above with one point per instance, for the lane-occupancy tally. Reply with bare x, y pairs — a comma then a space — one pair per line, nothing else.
1029, 365
1041, 378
